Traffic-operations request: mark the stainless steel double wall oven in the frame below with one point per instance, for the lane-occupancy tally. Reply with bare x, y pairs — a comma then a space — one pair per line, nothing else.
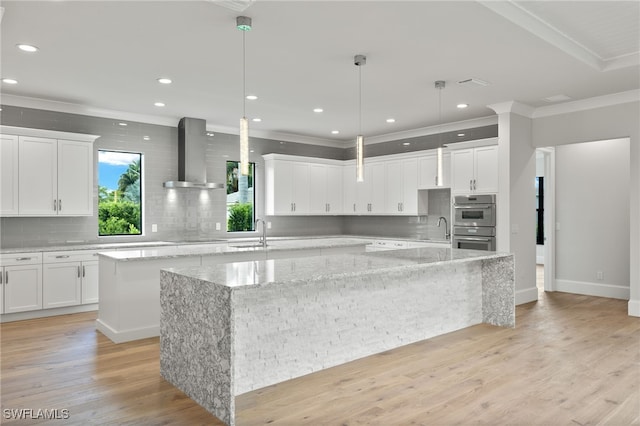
474, 222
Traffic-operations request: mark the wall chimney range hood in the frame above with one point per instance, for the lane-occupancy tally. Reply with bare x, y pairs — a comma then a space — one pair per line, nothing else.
192, 161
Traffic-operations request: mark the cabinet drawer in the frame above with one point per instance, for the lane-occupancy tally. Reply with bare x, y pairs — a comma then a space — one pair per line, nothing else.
11, 259
69, 256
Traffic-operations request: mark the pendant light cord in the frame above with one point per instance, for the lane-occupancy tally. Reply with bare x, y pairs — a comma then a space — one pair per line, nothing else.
244, 75
360, 100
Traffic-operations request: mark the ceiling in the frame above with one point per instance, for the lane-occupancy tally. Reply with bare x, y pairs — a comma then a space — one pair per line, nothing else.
108, 55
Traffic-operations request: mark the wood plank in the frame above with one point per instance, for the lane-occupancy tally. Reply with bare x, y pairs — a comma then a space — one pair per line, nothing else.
571, 359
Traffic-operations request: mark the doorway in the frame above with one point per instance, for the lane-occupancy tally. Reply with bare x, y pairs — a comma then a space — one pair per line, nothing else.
545, 223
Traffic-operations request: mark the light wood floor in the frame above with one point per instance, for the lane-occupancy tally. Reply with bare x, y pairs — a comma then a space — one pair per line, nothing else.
571, 360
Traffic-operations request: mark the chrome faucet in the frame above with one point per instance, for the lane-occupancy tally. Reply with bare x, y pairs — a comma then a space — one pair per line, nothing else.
447, 235
263, 237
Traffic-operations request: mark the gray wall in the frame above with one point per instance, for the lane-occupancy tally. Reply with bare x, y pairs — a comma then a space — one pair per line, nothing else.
188, 214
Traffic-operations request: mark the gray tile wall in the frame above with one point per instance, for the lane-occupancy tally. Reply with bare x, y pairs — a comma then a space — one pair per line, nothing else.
188, 214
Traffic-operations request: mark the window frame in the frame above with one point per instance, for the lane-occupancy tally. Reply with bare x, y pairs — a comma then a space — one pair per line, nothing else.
252, 166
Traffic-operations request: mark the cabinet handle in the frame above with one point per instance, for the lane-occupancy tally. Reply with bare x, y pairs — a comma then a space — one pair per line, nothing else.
63, 256
59, 205
470, 184
23, 258
55, 205
401, 207
294, 207
436, 180
354, 207
78, 272
6, 277
474, 184
1, 278
83, 271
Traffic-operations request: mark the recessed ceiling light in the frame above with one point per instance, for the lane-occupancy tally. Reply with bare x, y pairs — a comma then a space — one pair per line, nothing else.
122, 124
460, 135
462, 106
391, 120
164, 80
159, 104
257, 119
27, 48
318, 110
335, 132
474, 81
146, 138
9, 81
251, 150
406, 143
252, 97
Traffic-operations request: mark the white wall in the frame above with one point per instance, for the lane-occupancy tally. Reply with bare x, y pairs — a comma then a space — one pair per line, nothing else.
592, 211
609, 121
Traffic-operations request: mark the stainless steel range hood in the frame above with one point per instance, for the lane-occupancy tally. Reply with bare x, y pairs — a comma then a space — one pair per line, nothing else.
192, 161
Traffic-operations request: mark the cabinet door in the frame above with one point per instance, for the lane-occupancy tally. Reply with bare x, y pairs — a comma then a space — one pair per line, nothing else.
37, 195
61, 285
318, 189
427, 172
89, 282
394, 193
409, 201
75, 178
8, 175
334, 190
1, 290
22, 288
462, 171
376, 178
300, 188
282, 187
349, 202
486, 167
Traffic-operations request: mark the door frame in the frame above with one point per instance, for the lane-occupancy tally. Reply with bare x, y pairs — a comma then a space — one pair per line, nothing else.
549, 218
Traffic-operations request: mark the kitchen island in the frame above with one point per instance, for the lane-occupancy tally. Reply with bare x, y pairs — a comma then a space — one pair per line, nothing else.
229, 329
129, 290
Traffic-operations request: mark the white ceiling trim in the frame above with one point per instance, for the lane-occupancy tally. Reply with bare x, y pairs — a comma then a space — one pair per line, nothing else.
514, 107
538, 27
587, 104
432, 130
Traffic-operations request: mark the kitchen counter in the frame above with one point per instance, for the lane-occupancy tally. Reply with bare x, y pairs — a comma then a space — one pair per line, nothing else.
129, 290
231, 328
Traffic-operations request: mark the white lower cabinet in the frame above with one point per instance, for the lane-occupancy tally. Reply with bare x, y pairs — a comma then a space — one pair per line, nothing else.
69, 278
21, 282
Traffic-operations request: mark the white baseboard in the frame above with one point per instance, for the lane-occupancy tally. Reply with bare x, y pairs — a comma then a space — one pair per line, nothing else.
126, 335
43, 313
526, 295
634, 308
593, 289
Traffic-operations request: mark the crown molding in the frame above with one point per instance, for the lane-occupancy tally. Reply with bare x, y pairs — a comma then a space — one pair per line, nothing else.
513, 107
529, 21
587, 104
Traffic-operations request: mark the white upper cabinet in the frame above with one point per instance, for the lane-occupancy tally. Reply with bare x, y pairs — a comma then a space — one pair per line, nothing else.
370, 194
75, 178
325, 183
401, 184
349, 190
38, 168
287, 187
428, 171
475, 170
8, 175
46, 176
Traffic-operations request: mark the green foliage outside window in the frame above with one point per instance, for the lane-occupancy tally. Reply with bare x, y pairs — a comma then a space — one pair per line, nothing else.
119, 193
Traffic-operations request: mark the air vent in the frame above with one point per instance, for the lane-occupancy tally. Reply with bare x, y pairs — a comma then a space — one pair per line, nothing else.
557, 98
474, 81
235, 5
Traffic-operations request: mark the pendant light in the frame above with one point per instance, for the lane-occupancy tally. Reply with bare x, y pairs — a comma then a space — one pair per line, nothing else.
359, 61
243, 23
440, 174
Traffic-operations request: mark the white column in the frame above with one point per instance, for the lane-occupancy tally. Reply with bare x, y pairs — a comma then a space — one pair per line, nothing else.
516, 219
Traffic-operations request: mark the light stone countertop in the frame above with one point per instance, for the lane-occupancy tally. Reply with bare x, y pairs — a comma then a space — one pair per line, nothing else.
317, 268
233, 247
152, 245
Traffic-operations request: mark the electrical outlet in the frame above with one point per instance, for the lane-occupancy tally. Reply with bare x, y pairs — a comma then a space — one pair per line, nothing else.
154, 227
600, 275
268, 225
217, 226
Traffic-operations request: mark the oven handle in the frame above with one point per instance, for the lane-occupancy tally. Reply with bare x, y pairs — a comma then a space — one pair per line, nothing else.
471, 239
475, 206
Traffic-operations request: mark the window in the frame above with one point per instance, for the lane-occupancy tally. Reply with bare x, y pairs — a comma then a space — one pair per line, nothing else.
240, 198
119, 193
